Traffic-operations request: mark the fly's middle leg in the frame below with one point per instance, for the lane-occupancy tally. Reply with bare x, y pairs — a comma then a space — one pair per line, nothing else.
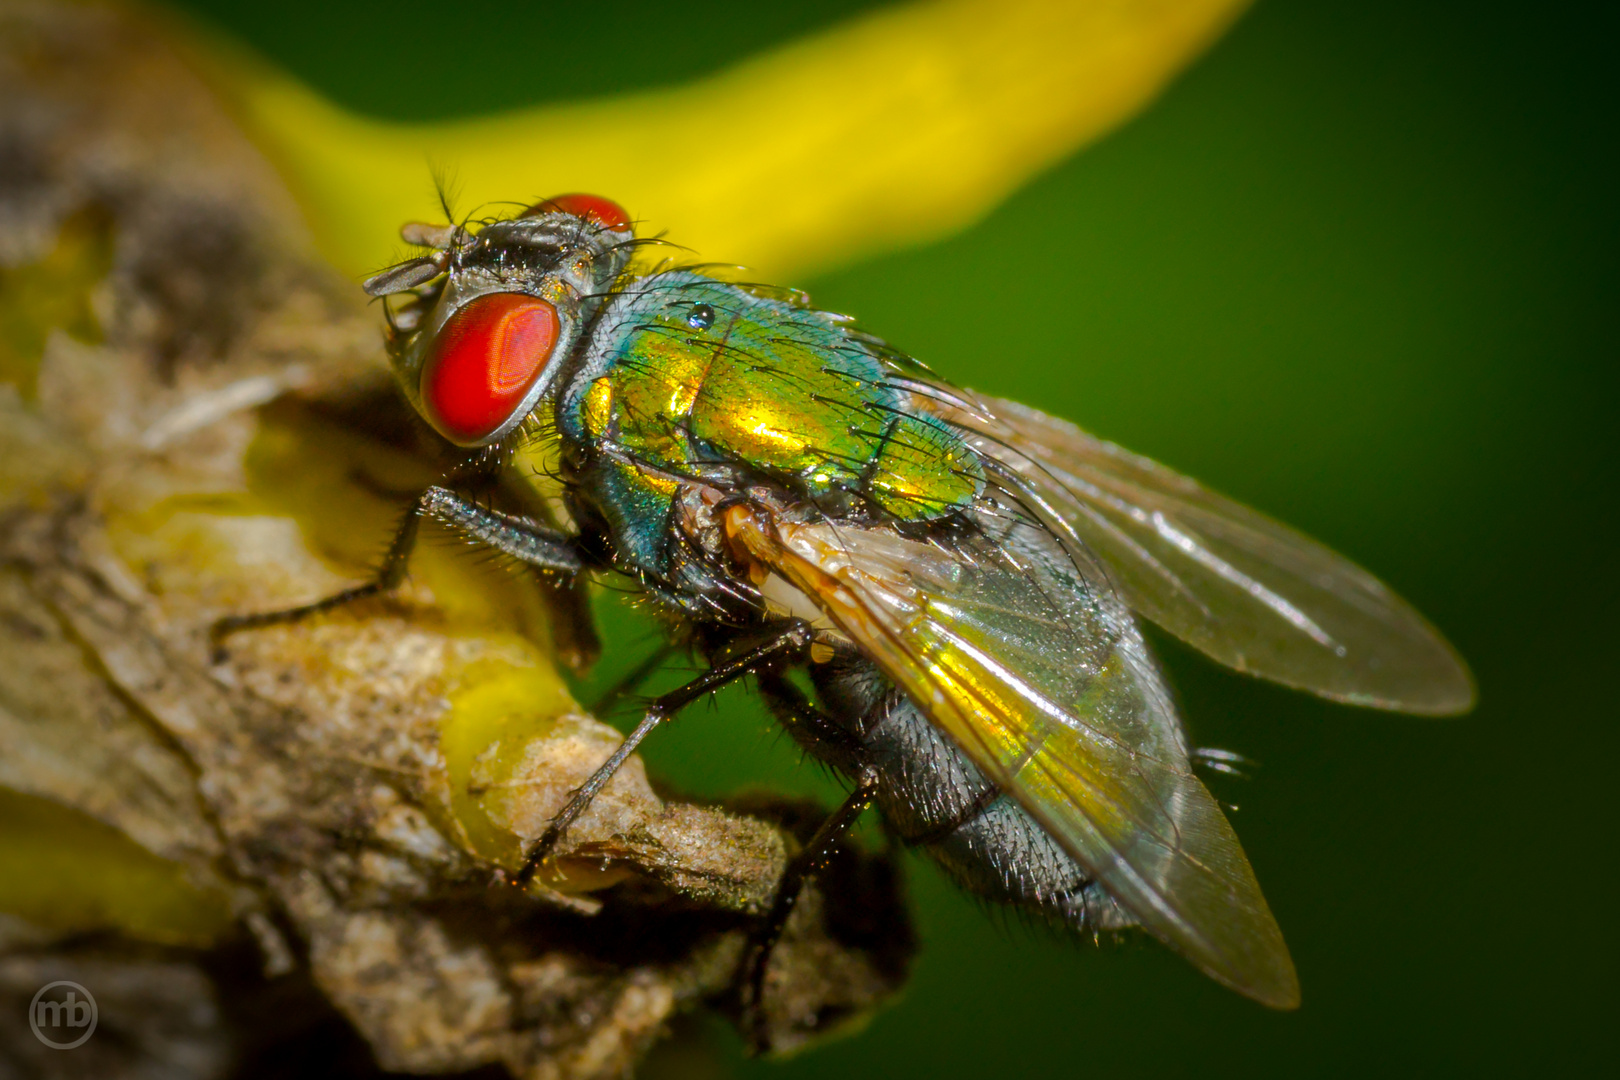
524, 540
790, 643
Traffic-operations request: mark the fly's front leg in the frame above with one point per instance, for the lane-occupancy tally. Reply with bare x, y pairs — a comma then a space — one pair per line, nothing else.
791, 643
757, 957
518, 537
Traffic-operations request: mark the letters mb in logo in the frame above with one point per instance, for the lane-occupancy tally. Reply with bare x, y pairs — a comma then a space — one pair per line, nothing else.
63, 1015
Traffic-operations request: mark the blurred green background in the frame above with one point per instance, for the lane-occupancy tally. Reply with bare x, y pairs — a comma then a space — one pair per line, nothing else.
1357, 268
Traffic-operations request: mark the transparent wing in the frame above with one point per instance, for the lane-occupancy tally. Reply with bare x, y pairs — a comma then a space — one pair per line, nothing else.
1043, 681
1248, 591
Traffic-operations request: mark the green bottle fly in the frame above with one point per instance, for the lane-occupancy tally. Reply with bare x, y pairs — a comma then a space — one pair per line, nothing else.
957, 577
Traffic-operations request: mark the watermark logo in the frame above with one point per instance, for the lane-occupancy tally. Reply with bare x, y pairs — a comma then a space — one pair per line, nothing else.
63, 1015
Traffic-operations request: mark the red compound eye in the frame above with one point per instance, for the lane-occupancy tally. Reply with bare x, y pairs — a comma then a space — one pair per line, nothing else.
484, 362
604, 212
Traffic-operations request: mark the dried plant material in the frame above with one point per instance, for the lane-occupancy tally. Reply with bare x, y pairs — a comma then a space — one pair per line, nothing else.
344, 792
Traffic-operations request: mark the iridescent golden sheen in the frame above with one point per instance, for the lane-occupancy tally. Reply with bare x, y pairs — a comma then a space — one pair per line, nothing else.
694, 373
598, 409
922, 465
787, 415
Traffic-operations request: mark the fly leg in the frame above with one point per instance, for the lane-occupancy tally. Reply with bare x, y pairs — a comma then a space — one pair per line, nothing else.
804, 865
790, 643
813, 729
518, 537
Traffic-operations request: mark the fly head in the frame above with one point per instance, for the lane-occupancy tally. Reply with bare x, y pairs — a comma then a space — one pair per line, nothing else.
494, 311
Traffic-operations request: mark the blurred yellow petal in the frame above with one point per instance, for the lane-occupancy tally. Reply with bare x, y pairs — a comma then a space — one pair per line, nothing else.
65, 872
887, 130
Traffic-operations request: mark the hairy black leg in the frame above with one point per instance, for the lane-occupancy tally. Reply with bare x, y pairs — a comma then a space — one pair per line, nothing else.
811, 727
791, 642
757, 957
525, 540
518, 537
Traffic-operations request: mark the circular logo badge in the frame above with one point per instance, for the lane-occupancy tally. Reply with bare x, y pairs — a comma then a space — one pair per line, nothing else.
63, 1015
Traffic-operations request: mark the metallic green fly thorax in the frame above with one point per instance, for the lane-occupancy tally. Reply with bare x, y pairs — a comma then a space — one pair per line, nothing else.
687, 377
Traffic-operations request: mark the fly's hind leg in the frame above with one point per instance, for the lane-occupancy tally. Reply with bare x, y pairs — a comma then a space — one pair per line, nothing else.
791, 642
524, 540
757, 957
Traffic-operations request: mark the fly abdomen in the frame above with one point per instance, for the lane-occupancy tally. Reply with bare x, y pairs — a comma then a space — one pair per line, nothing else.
934, 798
1003, 854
